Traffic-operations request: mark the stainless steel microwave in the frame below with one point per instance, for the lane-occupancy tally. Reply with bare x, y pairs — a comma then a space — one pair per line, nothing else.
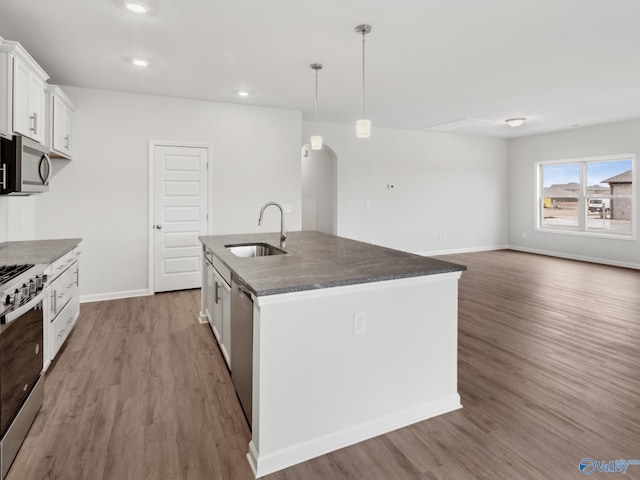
25, 167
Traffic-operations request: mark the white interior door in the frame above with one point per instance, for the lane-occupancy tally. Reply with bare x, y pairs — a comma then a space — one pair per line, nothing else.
180, 216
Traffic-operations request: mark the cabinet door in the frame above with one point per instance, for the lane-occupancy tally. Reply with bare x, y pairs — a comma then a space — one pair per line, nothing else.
62, 119
225, 299
46, 334
6, 95
210, 295
37, 108
218, 328
21, 80
58, 124
29, 102
68, 131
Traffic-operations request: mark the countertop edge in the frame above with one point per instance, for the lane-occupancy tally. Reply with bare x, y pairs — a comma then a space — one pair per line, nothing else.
42, 252
209, 243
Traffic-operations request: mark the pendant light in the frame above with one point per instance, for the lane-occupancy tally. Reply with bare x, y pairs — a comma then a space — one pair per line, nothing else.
363, 126
316, 139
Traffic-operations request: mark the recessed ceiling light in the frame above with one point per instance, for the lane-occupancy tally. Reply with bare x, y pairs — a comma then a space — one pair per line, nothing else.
140, 62
515, 122
243, 93
136, 7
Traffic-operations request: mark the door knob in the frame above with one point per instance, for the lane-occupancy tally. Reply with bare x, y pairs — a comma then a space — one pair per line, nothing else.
158, 227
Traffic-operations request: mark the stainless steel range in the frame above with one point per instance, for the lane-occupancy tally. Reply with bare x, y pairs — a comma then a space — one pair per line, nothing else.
22, 289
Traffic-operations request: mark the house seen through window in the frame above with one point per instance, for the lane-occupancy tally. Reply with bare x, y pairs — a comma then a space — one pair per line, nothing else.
589, 196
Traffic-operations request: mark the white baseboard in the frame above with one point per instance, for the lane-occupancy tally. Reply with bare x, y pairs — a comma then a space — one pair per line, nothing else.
99, 297
461, 250
581, 258
265, 464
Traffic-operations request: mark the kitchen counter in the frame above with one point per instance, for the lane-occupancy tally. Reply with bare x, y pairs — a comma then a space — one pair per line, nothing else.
35, 251
318, 260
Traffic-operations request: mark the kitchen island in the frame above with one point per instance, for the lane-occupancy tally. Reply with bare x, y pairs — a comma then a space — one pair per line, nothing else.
350, 340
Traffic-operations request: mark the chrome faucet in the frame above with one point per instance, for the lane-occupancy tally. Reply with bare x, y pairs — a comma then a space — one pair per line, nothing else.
283, 229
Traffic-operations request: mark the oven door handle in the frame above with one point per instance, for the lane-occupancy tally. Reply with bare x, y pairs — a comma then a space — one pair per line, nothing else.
11, 316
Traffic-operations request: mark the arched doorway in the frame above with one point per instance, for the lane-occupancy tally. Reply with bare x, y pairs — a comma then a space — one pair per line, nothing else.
319, 189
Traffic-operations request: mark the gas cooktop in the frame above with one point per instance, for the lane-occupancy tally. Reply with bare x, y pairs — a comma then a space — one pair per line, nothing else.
9, 272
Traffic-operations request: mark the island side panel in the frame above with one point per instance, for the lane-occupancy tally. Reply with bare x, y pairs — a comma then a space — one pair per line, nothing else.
318, 387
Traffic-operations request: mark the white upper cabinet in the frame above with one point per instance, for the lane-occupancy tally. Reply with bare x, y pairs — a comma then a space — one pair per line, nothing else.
60, 118
6, 92
29, 102
22, 94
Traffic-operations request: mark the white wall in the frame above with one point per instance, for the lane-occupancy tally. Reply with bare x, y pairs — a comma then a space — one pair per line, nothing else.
319, 189
17, 218
4, 213
447, 186
613, 138
103, 194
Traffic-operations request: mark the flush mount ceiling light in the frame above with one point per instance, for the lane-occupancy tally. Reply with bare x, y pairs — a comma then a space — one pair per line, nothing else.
242, 93
515, 122
316, 139
363, 126
140, 62
136, 7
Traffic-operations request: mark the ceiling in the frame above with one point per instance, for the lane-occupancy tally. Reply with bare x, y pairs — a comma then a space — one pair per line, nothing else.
559, 63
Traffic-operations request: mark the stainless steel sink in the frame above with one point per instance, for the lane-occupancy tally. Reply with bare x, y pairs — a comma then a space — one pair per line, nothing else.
254, 250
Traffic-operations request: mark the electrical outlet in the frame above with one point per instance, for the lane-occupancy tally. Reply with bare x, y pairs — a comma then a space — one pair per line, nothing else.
359, 323
442, 237
524, 235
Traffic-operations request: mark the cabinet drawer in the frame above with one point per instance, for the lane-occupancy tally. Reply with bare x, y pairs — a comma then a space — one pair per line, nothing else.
57, 267
62, 289
61, 327
223, 271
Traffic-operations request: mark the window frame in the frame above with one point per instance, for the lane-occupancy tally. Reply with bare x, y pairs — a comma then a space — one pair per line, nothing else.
583, 197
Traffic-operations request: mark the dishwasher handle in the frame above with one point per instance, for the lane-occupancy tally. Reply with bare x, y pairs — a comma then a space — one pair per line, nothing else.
244, 290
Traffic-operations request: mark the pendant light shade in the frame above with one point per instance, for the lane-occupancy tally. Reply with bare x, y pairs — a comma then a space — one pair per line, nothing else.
316, 142
316, 139
363, 126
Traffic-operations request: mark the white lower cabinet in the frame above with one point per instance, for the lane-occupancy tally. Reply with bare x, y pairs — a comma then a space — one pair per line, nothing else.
61, 327
216, 298
224, 301
220, 295
209, 298
63, 303
216, 319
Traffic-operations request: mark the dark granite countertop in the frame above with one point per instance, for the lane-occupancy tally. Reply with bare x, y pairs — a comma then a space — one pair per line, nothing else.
318, 260
35, 251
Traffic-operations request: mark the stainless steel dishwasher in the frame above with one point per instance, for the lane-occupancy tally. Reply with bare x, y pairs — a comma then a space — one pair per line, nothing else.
242, 345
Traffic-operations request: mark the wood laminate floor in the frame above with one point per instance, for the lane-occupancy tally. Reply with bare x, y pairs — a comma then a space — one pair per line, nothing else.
549, 373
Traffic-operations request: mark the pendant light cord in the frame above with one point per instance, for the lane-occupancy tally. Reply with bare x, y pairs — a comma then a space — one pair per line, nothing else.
316, 99
363, 43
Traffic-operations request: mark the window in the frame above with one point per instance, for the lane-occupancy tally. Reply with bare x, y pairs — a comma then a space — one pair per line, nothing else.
591, 196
